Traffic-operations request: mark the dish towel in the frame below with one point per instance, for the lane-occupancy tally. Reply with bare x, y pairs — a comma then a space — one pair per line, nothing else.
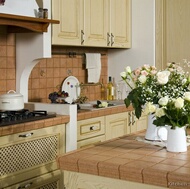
93, 65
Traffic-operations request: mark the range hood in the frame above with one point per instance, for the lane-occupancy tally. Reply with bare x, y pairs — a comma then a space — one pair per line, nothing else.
33, 36
24, 24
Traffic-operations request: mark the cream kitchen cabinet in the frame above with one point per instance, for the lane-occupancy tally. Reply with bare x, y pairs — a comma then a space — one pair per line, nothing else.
29, 155
124, 123
136, 124
117, 125
71, 16
90, 131
97, 23
120, 23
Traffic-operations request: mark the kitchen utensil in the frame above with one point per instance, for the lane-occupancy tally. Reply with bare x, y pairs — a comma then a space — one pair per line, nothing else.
11, 101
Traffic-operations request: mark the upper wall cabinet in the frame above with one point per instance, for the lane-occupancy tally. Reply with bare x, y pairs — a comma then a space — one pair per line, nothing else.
95, 23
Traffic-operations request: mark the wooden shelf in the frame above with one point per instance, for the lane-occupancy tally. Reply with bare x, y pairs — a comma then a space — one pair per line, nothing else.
20, 24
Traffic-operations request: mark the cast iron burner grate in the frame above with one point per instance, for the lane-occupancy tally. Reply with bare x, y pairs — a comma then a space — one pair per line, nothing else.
23, 116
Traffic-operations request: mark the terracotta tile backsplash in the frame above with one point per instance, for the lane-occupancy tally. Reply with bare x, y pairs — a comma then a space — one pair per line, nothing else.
47, 76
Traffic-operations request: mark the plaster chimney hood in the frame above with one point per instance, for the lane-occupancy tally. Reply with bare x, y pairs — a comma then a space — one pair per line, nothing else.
20, 17
23, 24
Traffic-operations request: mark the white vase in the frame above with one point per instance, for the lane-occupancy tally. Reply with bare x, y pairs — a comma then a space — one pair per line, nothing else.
152, 130
176, 139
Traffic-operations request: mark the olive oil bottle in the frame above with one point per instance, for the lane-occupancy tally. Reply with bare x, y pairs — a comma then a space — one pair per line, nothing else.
110, 90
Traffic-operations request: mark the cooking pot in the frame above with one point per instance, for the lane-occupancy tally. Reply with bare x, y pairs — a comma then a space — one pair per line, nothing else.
11, 101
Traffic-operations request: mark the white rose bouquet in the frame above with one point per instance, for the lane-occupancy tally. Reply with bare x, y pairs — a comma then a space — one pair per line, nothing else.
156, 91
174, 112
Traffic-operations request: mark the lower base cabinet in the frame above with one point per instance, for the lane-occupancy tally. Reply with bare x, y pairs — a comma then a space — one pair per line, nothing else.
53, 180
31, 154
95, 130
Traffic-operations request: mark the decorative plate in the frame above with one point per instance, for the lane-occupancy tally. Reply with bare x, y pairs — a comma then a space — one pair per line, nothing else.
71, 86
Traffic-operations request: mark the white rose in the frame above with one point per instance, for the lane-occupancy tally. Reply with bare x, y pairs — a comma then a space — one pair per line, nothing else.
149, 108
142, 78
179, 103
187, 96
159, 112
163, 101
184, 81
128, 69
123, 75
163, 77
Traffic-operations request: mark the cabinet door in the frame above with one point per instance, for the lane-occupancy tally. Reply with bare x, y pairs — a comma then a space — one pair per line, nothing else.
30, 154
142, 123
70, 14
116, 125
96, 22
120, 23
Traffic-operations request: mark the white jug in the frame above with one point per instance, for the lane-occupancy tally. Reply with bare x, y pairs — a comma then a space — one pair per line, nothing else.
176, 139
152, 130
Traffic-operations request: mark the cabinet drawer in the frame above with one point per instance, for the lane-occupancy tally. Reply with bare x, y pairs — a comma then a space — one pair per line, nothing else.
90, 128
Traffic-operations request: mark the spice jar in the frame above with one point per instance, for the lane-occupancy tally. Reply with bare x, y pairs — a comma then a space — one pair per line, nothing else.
40, 13
45, 13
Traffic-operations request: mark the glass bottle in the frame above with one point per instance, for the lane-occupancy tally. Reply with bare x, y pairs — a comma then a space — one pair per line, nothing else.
110, 90
114, 90
103, 91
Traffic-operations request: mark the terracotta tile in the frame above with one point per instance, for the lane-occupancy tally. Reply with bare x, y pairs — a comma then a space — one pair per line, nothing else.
163, 153
11, 62
97, 149
10, 73
110, 167
176, 162
7, 130
48, 122
111, 153
133, 171
36, 83
3, 74
39, 124
157, 174
11, 51
28, 126
70, 162
11, 84
91, 166
11, 39
187, 165
3, 63
57, 121
182, 156
18, 128
3, 51
179, 178
152, 159
131, 155
3, 87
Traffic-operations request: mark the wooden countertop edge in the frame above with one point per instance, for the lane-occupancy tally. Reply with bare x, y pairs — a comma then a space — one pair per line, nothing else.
143, 163
17, 128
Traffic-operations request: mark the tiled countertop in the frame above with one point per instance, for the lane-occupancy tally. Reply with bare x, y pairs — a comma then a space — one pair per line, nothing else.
128, 159
17, 128
103, 112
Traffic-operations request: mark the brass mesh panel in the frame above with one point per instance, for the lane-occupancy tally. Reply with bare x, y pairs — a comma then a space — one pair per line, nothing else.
27, 154
52, 185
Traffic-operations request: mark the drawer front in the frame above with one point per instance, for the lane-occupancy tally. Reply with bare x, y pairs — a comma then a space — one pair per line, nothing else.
33, 153
90, 128
53, 180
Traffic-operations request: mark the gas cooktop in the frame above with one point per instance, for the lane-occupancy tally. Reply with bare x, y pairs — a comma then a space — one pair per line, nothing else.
23, 116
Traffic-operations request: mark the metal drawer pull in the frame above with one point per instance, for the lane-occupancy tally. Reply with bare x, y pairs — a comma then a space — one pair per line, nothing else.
26, 135
25, 186
92, 128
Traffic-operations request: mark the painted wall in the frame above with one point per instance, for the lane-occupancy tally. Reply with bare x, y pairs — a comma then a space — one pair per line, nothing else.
143, 40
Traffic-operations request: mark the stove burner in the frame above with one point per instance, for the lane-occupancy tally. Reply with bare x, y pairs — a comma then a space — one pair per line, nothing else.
22, 116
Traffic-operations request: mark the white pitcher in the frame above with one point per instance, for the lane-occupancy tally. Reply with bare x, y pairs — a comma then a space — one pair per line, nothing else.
152, 130
176, 139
